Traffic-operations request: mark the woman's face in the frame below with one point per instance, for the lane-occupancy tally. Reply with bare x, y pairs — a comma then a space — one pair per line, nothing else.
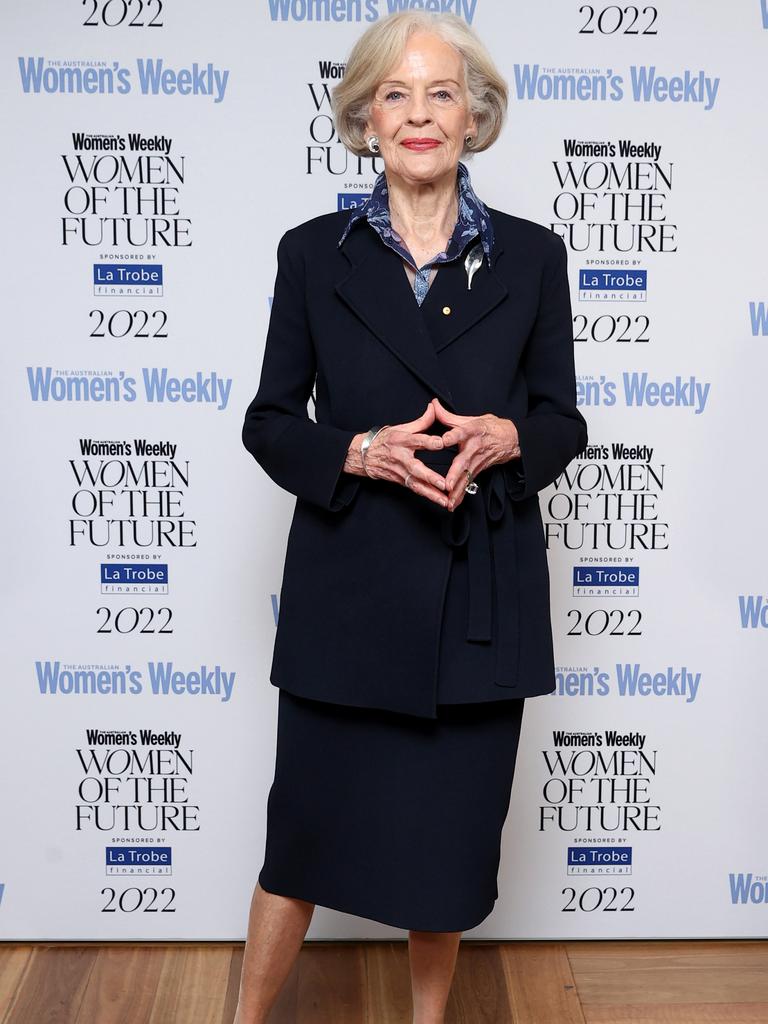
421, 111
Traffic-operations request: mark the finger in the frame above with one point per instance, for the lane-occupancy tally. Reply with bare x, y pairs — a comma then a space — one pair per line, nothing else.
454, 502
445, 415
425, 488
424, 441
455, 493
456, 481
454, 436
419, 471
426, 418
472, 427
429, 413
457, 471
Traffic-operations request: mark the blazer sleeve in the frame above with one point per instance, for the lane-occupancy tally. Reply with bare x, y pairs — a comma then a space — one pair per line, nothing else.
554, 431
303, 457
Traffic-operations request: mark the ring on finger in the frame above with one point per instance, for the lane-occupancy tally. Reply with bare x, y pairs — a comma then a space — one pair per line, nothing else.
408, 478
471, 487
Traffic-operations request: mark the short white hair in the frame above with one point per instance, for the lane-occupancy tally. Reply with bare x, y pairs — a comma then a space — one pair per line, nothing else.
381, 47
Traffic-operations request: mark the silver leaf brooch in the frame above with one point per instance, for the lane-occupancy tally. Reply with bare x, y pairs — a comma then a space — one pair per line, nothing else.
473, 262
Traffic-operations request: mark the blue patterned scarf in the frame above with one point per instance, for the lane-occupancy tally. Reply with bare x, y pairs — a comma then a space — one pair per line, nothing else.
473, 220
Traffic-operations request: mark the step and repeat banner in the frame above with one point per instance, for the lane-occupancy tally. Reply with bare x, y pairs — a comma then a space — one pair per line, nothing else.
155, 151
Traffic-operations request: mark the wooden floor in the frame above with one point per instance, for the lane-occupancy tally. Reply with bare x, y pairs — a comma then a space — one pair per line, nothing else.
692, 982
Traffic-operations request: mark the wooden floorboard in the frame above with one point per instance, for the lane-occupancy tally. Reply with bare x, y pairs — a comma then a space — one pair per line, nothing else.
331, 986
193, 985
388, 982
479, 992
677, 1013
598, 982
14, 962
53, 985
540, 983
672, 982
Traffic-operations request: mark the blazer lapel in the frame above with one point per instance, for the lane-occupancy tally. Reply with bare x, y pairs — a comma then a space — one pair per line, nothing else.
380, 294
378, 291
467, 306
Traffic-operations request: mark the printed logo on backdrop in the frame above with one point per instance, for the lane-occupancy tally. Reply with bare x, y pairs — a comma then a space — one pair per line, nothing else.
611, 198
605, 513
363, 10
351, 200
610, 206
129, 502
613, 285
136, 787
606, 581
599, 860
627, 679
641, 83
130, 493
746, 888
134, 579
599, 782
139, 860
325, 153
155, 385
639, 389
609, 498
758, 317
753, 611
126, 281
125, 193
135, 782
160, 679
598, 790
149, 76
124, 190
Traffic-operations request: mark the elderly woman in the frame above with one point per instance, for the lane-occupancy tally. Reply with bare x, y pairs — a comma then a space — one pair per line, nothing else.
414, 609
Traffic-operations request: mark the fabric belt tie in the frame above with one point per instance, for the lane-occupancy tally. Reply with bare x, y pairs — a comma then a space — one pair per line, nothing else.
473, 524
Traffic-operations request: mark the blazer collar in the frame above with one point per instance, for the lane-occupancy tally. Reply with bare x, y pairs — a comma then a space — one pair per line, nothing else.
378, 291
473, 218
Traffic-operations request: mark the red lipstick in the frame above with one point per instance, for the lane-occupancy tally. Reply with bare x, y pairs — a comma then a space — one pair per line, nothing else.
419, 145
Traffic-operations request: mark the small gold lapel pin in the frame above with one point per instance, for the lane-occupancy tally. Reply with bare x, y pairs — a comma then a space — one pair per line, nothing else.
473, 262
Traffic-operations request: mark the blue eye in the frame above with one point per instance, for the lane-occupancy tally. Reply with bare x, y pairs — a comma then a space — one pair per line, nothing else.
394, 92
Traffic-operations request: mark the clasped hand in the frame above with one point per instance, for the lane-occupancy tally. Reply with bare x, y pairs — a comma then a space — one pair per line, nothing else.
483, 441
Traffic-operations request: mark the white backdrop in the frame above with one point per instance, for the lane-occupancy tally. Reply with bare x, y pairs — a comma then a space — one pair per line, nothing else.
145, 546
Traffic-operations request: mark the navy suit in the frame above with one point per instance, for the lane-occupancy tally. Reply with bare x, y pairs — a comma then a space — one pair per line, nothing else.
367, 561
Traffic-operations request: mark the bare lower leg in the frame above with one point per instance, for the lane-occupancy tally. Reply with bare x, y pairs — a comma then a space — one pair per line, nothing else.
276, 929
432, 958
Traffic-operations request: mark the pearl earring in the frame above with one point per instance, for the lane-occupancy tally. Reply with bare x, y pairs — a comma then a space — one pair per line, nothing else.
373, 143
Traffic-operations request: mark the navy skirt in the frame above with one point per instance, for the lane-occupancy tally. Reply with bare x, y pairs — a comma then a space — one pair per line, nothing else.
388, 816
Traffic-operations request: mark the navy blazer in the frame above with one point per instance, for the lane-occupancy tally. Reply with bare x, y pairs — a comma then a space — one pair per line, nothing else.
367, 561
